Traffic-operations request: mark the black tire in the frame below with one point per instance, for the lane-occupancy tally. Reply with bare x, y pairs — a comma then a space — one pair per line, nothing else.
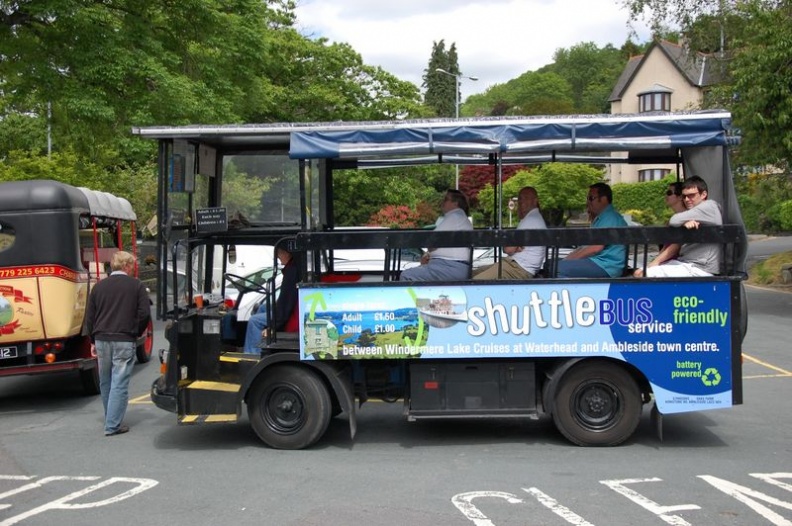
143, 351
90, 380
289, 407
597, 404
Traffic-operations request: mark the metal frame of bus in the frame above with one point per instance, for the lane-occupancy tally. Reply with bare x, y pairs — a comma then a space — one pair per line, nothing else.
46, 274
291, 400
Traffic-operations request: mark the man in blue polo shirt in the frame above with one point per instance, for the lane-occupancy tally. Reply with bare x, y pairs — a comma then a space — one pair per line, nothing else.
597, 261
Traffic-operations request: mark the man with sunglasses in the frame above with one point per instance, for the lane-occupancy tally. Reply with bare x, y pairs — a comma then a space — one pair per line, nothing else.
690, 259
597, 261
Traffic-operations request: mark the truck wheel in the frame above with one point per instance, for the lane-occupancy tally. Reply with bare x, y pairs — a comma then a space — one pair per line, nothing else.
289, 407
90, 380
143, 351
597, 404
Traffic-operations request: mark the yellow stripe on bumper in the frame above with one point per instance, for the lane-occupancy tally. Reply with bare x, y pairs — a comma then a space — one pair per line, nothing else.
238, 357
215, 386
211, 419
208, 419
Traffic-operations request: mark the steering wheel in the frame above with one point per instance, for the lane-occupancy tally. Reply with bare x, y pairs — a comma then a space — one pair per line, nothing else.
244, 285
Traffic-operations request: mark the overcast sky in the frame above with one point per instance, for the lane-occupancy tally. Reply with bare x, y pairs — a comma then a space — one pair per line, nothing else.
497, 40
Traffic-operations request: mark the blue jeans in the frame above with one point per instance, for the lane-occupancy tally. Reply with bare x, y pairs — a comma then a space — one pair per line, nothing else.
438, 270
580, 268
116, 360
256, 324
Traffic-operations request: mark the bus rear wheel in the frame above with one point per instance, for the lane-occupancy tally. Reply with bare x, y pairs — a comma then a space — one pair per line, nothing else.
143, 351
289, 407
597, 404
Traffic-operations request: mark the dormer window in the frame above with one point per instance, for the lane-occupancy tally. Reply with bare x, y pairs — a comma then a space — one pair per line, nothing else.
656, 98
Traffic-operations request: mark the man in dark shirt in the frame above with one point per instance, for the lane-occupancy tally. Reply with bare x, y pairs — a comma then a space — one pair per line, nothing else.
118, 312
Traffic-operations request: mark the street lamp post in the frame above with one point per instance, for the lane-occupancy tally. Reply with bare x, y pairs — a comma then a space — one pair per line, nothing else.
457, 78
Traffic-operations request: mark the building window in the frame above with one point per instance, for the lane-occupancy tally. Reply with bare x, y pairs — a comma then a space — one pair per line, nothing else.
655, 101
654, 174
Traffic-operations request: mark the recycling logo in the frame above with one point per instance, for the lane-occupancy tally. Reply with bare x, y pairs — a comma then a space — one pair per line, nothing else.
711, 377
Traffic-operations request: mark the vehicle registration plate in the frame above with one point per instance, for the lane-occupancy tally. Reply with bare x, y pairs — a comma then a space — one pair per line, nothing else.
8, 352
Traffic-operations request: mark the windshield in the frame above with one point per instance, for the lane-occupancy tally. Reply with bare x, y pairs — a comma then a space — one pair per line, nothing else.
261, 188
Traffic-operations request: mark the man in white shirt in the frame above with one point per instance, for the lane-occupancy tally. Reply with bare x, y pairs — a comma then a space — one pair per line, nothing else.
521, 262
447, 263
690, 259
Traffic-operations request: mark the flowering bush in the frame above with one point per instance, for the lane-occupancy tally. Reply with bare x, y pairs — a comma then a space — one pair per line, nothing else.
395, 216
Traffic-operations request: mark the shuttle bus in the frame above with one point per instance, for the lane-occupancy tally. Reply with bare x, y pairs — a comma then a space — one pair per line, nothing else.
593, 354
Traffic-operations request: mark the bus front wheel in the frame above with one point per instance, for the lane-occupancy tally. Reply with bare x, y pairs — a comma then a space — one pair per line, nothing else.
597, 404
289, 407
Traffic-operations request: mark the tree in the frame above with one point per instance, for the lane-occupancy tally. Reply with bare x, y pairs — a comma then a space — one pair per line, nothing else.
562, 189
440, 87
361, 194
90, 59
679, 12
106, 66
473, 178
762, 73
328, 82
591, 73
532, 93
137, 184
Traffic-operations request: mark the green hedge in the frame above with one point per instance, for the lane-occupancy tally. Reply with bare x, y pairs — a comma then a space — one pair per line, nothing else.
644, 201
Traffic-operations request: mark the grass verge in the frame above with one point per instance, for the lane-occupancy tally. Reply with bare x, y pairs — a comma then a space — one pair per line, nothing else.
768, 272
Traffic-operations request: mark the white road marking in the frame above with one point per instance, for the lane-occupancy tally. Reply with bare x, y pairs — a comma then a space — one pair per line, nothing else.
33, 485
743, 494
648, 504
464, 503
553, 505
64, 503
770, 478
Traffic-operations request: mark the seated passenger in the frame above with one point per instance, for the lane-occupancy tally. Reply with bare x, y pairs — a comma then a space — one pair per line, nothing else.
692, 259
674, 201
522, 262
450, 263
597, 261
673, 197
284, 305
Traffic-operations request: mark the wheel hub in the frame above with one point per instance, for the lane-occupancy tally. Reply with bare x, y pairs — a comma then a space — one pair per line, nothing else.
284, 411
596, 406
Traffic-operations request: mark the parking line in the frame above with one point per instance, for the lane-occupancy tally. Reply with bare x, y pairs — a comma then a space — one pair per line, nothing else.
782, 372
144, 399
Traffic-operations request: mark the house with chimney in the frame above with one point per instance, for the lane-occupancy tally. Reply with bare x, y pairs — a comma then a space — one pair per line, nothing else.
668, 77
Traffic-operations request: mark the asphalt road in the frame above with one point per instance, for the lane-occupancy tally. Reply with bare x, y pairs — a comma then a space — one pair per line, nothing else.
725, 467
763, 247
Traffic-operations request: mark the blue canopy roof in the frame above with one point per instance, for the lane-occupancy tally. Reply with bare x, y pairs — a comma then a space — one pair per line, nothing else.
513, 135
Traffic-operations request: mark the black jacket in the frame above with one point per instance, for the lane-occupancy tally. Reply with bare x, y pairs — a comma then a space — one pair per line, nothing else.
287, 298
118, 309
